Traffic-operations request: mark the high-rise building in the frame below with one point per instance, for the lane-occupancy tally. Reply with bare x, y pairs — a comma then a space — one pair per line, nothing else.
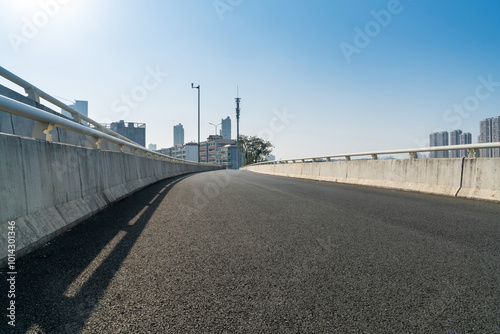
152, 147
81, 106
178, 134
465, 138
489, 132
455, 140
225, 131
439, 139
133, 131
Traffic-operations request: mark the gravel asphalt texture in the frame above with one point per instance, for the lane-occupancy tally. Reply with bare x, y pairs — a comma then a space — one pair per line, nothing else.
239, 252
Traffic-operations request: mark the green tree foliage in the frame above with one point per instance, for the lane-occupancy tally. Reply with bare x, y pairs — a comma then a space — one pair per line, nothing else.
254, 149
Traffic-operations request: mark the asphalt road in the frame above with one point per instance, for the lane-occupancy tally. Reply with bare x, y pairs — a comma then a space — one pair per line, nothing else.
226, 252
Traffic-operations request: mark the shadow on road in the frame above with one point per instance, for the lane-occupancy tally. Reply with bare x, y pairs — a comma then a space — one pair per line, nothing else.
59, 285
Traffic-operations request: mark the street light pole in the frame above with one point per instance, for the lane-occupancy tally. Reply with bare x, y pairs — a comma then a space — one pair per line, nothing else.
198, 87
238, 99
216, 125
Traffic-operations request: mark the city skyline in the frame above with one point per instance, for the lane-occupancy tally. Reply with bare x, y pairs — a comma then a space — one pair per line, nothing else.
351, 76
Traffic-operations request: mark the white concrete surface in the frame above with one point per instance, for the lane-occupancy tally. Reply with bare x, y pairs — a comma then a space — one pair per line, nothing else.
481, 179
471, 178
47, 188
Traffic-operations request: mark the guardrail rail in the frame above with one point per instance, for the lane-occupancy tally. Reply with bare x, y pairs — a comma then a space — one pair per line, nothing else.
472, 149
49, 120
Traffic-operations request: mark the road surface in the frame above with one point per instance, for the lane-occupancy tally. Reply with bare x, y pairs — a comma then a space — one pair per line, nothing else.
235, 251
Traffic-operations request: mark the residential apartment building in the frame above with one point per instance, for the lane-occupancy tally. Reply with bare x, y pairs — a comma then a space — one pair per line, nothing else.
465, 138
439, 139
220, 151
454, 138
489, 132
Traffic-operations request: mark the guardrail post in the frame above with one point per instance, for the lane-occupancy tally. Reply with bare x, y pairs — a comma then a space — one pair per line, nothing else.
413, 155
41, 130
374, 157
473, 153
32, 93
76, 118
48, 136
347, 158
95, 142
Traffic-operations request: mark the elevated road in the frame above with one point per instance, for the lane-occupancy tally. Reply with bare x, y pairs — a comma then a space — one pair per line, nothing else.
235, 251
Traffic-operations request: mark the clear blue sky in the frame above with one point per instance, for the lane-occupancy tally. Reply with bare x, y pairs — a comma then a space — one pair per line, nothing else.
287, 57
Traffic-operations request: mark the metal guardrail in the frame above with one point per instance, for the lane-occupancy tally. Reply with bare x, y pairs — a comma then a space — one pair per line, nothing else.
51, 120
473, 152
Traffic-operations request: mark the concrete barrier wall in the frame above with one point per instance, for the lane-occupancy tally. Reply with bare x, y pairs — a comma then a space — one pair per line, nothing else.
47, 188
481, 179
471, 178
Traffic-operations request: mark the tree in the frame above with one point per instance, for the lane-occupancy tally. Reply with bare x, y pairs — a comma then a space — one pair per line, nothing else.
254, 149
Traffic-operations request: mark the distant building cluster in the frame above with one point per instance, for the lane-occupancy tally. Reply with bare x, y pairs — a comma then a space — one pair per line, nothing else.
489, 130
217, 149
455, 137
